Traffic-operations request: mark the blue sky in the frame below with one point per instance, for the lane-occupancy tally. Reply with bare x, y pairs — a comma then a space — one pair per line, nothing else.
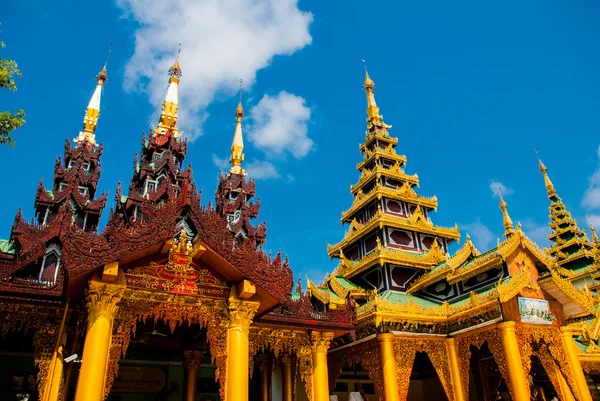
470, 88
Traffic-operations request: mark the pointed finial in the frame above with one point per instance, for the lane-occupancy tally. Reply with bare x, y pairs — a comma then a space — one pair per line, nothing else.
167, 123
368, 85
593, 230
239, 112
237, 146
508, 224
544, 171
175, 70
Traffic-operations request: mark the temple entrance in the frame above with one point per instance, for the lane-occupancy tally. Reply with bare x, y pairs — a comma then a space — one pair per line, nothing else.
352, 383
424, 381
158, 362
485, 380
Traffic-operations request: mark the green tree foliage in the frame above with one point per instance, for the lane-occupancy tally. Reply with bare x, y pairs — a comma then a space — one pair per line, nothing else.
9, 70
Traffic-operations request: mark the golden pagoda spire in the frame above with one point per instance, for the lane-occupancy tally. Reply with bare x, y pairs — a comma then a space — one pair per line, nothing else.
237, 146
544, 171
594, 234
90, 120
369, 88
508, 224
168, 116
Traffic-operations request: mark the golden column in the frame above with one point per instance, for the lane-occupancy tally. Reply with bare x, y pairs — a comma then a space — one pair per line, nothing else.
286, 377
320, 345
54, 380
241, 313
575, 365
388, 366
457, 384
102, 300
191, 361
516, 373
263, 370
565, 391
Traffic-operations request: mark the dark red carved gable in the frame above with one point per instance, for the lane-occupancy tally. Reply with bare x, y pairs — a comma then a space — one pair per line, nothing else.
234, 201
74, 184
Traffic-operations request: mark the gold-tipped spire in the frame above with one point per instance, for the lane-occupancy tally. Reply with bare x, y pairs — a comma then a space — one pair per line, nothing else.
594, 234
168, 116
237, 146
508, 224
92, 113
369, 88
544, 171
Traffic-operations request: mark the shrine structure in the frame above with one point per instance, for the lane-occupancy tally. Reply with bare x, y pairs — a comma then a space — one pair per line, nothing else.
173, 300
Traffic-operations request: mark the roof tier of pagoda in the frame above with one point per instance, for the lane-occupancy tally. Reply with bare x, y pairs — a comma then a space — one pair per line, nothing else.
386, 206
571, 248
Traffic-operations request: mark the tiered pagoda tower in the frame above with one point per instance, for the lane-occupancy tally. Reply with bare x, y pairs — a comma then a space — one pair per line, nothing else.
571, 248
391, 239
76, 175
158, 175
235, 193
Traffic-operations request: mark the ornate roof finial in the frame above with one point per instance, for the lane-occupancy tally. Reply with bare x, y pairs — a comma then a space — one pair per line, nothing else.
168, 117
237, 146
175, 70
368, 84
90, 120
594, 234
508, 224
544, 171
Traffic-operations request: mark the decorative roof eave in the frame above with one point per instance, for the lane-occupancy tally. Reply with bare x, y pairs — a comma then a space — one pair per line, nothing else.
323, 294
582, 253
377, 134
381, 219
477, 266
402, 194
389, 153
343, 292
394, 172
562, 244
380, 310
561, 231
467, 251
382, 255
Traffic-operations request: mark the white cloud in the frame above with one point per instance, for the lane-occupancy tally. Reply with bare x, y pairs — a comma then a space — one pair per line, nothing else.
261, 170
591, 196
279, 125
222, 164
595, 221
481, 235
496, 187
222, 41
537, 232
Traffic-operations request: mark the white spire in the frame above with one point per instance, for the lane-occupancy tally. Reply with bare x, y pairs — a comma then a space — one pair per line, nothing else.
90, 120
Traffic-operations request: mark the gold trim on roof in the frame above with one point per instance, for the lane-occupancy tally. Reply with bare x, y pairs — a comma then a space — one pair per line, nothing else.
371, 136
379, 171
475, 267
381, 219
381, 255
388, 153
452, 263
404, 193
379, 310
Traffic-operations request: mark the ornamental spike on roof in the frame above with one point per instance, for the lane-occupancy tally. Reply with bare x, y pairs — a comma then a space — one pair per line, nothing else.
92, 113
167, 124
237, 146
508, 224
